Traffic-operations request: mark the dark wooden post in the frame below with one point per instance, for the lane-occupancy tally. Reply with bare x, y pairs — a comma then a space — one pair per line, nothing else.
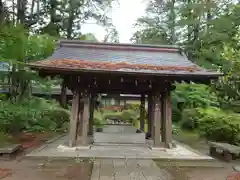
80, 117
142, 112
91, 114
157, 120
63, 95
85, 119
167, 118
74, 119
152, 117
150, 102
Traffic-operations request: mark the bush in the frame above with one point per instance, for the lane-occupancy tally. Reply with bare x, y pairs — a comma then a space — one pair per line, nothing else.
190, 119
133, 107
125, 116
176, 113
56, 115
37, 114
218, 125
129, 116
213, 124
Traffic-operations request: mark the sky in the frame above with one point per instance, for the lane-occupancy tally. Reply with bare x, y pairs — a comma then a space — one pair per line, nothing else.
124, 16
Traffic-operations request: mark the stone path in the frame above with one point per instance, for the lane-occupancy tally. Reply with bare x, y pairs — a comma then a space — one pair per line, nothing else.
128, 169
134, 151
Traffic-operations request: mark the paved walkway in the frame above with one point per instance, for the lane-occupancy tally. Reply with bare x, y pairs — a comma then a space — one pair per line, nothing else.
132, 151
128, 169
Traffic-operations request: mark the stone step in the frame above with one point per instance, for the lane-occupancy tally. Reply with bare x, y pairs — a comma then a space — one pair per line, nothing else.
121, 144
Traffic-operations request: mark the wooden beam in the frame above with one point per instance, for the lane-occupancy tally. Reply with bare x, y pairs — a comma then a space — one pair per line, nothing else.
205, 79
113, 83
74, 119
142, 112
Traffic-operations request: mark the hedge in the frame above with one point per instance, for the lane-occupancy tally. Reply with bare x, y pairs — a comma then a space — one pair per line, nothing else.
213, 124
34, 115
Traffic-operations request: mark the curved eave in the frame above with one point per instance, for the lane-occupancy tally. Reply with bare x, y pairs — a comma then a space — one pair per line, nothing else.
184, 75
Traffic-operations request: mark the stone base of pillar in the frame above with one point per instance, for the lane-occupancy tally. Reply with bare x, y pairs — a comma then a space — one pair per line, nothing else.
170, 145
80, 142
163, 145
90, 139
83, 147
157, 148
64, 148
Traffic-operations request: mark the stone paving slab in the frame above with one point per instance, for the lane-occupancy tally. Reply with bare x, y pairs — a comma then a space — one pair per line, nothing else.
129, 169
117, 152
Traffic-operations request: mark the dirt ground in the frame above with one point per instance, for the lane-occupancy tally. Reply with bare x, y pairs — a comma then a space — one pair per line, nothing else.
81, 170
46, 170
200, 173
25, 169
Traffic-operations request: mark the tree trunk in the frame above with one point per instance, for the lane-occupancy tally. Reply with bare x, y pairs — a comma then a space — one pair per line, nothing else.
189, 18
209, 15
70, 25
172, 18
13, 85
21, 8
2, 13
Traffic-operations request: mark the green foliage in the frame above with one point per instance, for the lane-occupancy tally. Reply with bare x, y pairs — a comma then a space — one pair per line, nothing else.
176, 113
220, 126
190, 119
34, 115
194, 95
201, 28
88, 37
187, 96
213, 124
227, 88
17, 48
125, 116
98, 119
98, 122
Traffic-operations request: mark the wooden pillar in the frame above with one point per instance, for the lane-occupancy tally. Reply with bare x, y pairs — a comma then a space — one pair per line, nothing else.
85, 119
157, 120
152, 117
80, 117
150, 114
63, 95
91, 115
167, 118
74, 119
142, 111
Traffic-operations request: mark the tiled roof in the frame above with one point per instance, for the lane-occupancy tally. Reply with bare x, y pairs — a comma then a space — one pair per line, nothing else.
82, 55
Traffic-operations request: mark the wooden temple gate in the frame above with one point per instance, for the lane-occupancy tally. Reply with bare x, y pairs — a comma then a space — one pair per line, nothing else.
84, 71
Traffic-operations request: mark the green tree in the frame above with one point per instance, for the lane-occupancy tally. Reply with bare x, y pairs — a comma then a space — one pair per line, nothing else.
17, 49
111, 34
228, 87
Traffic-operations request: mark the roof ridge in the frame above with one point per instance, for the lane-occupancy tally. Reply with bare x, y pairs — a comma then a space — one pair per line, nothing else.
80, 42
